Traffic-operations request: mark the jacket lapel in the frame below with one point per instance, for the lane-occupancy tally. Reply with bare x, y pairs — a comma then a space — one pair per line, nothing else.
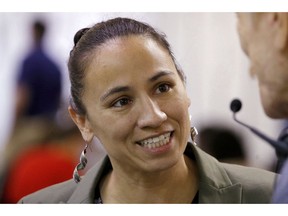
85, 190
215, 185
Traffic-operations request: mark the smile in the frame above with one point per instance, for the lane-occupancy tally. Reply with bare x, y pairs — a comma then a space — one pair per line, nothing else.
155, 142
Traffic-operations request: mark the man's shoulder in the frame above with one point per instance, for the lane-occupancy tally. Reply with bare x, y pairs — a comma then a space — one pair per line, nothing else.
281, 193
58, 193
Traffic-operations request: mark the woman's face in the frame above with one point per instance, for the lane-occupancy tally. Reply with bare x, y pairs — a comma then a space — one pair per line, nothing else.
137, 105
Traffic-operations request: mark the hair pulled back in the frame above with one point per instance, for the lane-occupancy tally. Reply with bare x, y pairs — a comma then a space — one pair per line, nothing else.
87, 40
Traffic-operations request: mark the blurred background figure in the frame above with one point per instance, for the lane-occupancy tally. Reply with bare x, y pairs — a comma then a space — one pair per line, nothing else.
39, 81
44, 164
48, 162
38, 95
224, 144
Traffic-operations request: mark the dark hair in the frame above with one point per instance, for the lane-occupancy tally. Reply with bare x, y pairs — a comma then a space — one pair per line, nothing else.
87, 40
39, 30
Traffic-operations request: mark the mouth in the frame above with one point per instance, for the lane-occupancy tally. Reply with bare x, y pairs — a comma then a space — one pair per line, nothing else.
156, 142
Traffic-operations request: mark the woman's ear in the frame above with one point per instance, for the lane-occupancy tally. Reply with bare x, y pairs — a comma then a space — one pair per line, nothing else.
83, 124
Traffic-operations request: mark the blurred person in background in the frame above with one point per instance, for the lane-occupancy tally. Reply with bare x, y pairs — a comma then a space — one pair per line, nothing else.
44, 164
264, 39
37, 99
39, 80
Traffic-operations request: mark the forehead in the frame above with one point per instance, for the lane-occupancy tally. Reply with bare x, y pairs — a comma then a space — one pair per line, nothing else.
128, 48
126, 54
127, 57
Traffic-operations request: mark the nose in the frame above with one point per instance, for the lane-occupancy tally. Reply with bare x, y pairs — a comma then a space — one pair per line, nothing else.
150, 114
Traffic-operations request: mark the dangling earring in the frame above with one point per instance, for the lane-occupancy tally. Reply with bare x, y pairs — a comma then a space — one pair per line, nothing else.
194, 133
81, 165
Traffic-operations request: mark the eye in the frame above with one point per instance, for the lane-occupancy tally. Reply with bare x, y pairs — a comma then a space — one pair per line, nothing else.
163, 88
122, 102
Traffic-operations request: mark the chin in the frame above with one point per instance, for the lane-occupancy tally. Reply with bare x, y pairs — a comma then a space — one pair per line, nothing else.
275, 110
162, 165
271, 113
274, 105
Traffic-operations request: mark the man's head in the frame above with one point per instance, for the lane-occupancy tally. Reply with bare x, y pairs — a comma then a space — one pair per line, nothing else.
38, 31
264, 39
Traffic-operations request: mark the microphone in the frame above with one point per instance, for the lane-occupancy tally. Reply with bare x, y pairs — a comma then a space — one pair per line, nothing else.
280, 146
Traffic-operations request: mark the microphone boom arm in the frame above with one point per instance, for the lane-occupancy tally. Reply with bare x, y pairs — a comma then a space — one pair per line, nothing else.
278, 145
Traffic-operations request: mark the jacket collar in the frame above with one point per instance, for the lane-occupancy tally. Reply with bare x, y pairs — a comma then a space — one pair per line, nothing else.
86, 188
215, 185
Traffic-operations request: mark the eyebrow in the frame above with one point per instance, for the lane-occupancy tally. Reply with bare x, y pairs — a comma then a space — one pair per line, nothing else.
159, 75
114, 91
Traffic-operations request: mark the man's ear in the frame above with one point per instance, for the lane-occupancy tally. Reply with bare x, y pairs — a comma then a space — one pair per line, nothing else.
280, 21
83, 124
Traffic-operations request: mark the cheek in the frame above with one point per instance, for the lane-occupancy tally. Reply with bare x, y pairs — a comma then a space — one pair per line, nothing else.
109, 128
182, 112
257, 67
181, 116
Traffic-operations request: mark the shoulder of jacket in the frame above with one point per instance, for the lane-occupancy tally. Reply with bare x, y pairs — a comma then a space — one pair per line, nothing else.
251, 177
58, 193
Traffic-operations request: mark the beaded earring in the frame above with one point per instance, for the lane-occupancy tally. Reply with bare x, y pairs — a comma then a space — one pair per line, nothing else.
81, 165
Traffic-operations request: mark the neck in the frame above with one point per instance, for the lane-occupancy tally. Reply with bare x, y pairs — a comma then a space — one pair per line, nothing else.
176, 185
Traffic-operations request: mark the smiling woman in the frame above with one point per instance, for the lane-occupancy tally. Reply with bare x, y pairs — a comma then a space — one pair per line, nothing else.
128, 91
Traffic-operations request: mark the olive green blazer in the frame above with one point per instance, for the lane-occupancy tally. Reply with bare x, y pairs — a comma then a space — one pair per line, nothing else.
218, 183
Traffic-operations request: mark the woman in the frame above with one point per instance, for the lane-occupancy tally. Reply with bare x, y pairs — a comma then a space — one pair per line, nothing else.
128, 91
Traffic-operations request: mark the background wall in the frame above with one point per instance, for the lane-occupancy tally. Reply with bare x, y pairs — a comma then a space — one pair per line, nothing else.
205, 44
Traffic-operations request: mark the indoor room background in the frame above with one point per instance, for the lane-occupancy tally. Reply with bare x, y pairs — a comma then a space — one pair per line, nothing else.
206, 46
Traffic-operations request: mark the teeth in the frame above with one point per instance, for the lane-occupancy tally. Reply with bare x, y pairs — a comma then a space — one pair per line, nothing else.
156, 141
